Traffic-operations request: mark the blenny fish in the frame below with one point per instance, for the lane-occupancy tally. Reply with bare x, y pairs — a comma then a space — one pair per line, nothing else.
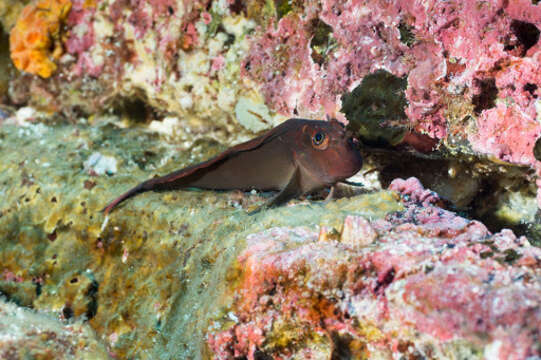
296, 157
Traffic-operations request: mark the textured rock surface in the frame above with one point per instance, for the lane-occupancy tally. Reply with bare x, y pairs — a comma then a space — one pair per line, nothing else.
25, 334
189, 274
149, 282
175, 76
467, 70
428, 284
467, 64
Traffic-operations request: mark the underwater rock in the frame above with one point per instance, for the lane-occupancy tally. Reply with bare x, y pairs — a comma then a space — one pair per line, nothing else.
430, 284
150, 281
462, 76
189, 274
27, 334
104, 62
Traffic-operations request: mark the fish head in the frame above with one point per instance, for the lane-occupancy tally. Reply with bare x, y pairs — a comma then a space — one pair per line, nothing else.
327, 152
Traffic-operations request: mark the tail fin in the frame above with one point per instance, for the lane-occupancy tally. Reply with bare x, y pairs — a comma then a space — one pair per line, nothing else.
132, 192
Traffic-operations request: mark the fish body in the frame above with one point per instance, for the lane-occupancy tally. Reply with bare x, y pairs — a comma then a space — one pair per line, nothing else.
296, 157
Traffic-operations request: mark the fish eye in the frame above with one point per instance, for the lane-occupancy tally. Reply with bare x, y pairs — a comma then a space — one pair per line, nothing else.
318, 138
320, 141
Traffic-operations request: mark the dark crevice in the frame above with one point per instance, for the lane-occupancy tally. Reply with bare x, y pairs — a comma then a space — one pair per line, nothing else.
321, 40
237, 7
92, 293
531, 88
470, 194
67, 312
341, 347
407, 37
386, 281
283, 7
486, 98
7, 68
38, 288
136, 109
524, 36
261, 355
375, 109
527, 33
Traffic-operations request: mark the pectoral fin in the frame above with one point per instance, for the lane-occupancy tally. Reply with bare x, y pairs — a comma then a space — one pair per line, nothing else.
290, 191
331, 195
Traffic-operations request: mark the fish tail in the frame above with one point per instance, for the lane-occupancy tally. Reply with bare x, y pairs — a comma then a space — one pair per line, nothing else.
132, 192
175, 180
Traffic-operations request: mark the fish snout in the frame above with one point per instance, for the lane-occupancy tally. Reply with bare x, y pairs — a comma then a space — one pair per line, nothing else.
355, 149
353, 142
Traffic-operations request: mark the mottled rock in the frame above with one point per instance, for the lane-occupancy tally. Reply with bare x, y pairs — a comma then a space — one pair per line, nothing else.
151, 282
26, 334
188, 274
432, 284
357, 232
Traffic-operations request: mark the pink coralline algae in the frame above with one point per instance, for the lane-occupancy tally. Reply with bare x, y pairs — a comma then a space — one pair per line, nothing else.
143, 14
483, 54
81, 38
293, 83
426, 280
281, 61
501, 135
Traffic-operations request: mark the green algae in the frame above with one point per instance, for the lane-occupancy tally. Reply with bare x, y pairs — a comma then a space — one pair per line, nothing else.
375, 108
407, 37
153, 278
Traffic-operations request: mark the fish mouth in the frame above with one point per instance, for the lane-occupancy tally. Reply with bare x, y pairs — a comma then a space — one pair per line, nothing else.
356, 159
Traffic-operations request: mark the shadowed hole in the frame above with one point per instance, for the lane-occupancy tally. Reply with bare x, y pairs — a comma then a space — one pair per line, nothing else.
527, 35
321, 40
529, 87
67, 312
407, 37
237, 6
487, 95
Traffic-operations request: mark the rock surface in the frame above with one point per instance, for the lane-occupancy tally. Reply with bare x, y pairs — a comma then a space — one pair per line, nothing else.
147, 87
430, 285
468, 77
189, 274
25, 334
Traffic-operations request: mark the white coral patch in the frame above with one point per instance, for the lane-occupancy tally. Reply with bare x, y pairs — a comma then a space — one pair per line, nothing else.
253, 115
167, 126
101, 164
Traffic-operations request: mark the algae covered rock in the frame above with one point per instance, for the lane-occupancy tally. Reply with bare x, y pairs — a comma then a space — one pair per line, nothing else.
151, 279
190, 274
453, 80
26, 334
428, 283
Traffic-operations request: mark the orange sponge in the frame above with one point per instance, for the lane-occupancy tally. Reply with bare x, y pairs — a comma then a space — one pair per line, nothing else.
35, 39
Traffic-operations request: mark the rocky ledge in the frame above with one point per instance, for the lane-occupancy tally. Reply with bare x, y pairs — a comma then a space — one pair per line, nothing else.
189, 274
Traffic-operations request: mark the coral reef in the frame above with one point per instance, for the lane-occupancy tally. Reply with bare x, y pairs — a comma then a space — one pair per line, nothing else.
450, 89
303, 58
37, 32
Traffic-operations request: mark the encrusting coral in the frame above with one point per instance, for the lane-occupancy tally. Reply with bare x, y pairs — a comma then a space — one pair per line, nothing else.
35, 41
